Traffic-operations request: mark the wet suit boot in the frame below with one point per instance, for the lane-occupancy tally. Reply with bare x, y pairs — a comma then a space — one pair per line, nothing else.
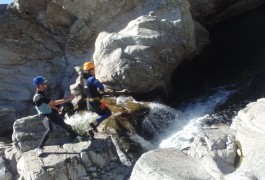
94, 127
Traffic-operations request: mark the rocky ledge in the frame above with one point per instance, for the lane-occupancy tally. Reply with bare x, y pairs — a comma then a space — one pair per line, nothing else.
220, 152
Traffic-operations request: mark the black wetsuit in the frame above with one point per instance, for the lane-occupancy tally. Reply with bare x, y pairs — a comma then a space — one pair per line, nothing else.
94, 102
47, 117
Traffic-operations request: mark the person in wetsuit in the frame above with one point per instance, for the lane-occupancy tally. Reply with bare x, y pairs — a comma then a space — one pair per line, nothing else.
49, 112
94, 102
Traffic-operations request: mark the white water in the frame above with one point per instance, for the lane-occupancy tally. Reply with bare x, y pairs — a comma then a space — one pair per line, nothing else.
185, 127
171, 127
81, 120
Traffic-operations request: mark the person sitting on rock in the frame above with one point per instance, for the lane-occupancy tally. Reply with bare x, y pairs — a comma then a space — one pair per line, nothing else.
49, 112
94, 97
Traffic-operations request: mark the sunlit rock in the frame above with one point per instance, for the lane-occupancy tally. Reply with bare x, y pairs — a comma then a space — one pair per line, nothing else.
216, 149
28, 132
82, 160
147, 50
250, 127
168, 164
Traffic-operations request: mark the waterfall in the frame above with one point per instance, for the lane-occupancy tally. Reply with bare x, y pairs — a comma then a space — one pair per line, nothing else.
177, 127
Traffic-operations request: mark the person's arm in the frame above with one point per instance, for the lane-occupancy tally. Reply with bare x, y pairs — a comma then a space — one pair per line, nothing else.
53, 104
95, 82
56, 108
61, 101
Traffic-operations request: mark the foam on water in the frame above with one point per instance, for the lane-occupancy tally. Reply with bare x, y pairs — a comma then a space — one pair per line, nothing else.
81, 120
144, 143
192, 120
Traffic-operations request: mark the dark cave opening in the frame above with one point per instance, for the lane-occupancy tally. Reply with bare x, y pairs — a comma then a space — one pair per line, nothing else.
236, 52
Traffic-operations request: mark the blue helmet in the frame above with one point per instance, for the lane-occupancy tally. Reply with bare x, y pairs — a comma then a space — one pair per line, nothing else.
39, 80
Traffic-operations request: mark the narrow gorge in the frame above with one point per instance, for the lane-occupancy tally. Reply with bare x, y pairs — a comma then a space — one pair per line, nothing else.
187, 81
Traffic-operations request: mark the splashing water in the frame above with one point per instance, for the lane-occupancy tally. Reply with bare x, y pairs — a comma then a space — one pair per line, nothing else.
158, 119
144, 143
81, 120
193, 120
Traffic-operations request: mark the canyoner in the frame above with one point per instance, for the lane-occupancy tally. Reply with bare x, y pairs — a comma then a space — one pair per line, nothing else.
49, 112
94, 100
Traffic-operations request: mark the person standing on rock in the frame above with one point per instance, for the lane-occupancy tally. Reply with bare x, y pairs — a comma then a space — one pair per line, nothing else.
49, 112
94, 97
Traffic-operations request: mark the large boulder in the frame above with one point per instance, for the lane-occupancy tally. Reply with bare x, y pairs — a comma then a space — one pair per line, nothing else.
212, 155
168, 164
147, 50
250, 127
28, 132
84, 160
216, 148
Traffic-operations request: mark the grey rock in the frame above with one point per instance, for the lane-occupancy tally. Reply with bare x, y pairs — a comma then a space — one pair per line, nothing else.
216, 148
4, 144
152, 46
92, 169
57, 163
5, 172
249, 125
28, 132
168, 164
7, 118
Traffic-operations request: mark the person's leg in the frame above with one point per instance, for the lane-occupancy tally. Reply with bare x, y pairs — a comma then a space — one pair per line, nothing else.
103, 115
57, 119
102, 110
48, 125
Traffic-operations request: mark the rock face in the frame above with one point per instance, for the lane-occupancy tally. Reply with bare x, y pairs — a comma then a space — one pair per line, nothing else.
140, 42
211, 155
26, 50
83, 160
216, 149
7, 117
5, 169
250, 127
5, 172
29, 130
210, 12
75, 23
147, 50
63, 159
168, 164
220, 152
145, 41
